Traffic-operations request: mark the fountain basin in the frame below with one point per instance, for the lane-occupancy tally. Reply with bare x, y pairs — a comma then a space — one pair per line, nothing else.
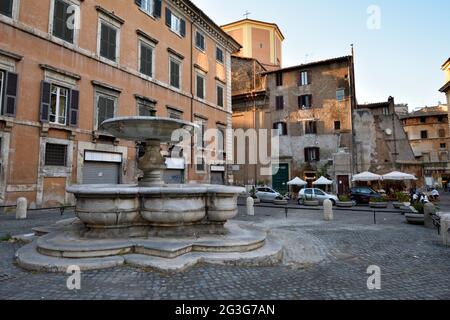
126, 206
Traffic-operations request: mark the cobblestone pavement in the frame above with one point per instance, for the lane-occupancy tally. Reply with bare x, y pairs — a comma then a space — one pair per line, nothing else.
414, 264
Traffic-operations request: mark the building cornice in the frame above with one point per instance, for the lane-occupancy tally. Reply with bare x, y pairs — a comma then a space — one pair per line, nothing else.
198, 17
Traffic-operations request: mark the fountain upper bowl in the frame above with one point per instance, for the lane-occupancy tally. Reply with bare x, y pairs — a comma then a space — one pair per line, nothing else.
146, 128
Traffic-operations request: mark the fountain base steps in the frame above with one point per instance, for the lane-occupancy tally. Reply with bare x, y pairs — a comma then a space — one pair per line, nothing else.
64, 246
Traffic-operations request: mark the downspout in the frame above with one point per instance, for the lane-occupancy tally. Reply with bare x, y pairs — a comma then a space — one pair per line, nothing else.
192, 93
354, 161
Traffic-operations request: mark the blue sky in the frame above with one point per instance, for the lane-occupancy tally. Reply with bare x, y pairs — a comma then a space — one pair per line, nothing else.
403, 58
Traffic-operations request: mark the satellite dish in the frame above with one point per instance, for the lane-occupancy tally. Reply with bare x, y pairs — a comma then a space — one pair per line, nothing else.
388, 132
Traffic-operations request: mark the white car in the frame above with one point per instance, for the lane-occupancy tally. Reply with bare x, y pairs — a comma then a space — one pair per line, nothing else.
266, 194
316, 194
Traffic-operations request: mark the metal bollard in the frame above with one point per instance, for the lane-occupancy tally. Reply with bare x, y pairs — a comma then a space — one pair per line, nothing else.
328, 210
21, 209
250, 206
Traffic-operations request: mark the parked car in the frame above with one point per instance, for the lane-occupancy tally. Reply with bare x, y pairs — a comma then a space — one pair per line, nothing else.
316, 194
266, 194
362, 195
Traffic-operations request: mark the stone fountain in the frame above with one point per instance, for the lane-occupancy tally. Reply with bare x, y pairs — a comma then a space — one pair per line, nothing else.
151, 225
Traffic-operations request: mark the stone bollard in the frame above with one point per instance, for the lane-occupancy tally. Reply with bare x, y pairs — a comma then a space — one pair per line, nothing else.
445, 226
328, 210
428, 210
250, 206
21, 209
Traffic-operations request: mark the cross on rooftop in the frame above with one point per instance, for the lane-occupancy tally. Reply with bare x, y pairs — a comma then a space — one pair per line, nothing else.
247, 13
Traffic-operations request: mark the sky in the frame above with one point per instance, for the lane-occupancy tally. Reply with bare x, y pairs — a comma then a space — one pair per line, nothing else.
400, 45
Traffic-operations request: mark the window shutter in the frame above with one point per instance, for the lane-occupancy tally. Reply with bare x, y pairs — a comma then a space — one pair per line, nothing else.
74, 107
10, 97
300, 101
112, 43
45, 101
138, 3
310, 101
183, 28
299, 79
157, 9
168, 18
309, 77
317, 150
306, 155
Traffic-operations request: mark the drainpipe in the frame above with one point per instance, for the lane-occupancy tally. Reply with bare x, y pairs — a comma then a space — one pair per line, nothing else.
192, 92
353, 102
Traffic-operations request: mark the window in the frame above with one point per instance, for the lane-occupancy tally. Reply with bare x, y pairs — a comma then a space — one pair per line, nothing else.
219, 55
2, 83
59, 100
340, 94
175, 71
61, 16
6, 7
220, 96
386, 111
146, 59
337, 125
441, 133
279, 79
443, 146
305, 102
304, 78
440, 119
175, 23
279, 102
200, 41
200, 86
146, 108
55, 155
311, 127
105, 109
312, 154
424, 134
175, 114
281, 128
147, 5
423, 120
108, 41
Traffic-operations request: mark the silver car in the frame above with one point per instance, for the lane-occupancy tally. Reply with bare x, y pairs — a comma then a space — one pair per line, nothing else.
266, 194
316, 194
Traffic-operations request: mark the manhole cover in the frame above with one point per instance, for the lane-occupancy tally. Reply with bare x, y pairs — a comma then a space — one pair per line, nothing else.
5, 277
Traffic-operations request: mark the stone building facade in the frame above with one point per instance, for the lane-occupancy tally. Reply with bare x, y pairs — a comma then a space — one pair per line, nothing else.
381, 143
250, 112
60, 80
311, 107
428, 133
260, 40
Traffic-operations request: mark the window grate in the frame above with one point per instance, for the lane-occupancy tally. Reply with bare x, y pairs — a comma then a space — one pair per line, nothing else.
55, 155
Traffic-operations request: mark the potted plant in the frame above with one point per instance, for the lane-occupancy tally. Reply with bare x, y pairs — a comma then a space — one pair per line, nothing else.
345, 202
281, 201
378, 203
401, 200
416, 215
253, 195
309, 201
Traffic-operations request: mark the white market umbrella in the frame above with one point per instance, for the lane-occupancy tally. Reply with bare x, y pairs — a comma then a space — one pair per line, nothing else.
367, 176
323, 182
398, 176
297, 182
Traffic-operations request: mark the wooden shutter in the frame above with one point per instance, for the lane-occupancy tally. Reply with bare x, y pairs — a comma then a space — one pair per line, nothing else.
309, 77
45, 101
306, 155
317, 151
10, 96
112, 43
168, 17
74, 107
157, 9
182, 27
138, 3
310, 103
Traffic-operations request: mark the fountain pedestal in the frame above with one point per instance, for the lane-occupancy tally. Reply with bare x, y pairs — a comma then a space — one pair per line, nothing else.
152, 164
